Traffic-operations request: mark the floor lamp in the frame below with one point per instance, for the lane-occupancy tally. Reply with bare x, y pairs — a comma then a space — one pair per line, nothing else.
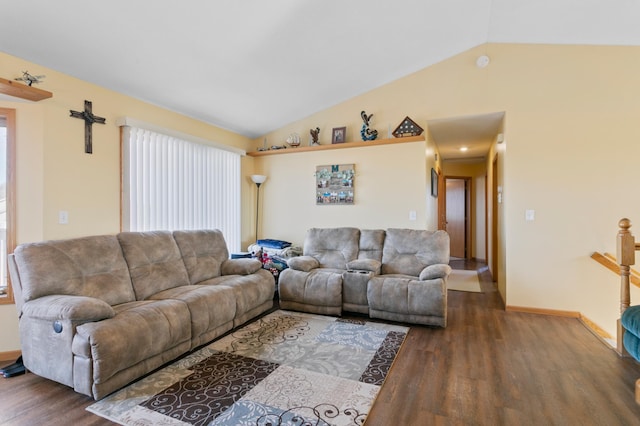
258, 180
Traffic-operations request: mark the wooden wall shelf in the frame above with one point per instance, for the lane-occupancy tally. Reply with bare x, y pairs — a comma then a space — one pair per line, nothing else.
19, 90
336, 146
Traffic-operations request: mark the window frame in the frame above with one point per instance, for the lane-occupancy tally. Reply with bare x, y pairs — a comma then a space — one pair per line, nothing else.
10, 115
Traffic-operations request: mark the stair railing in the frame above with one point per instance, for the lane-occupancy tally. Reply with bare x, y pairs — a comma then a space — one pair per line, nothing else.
626, 247
610, 262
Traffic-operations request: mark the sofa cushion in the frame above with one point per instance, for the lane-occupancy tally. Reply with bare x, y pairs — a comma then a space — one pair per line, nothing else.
408, 300
371, 244
439, 270
203, 252
250, 290
371, 265
240, 266
303, 263
155, 262
74, 308
318, 291
126, 339
409, 251
211, 306
89, 266
332, 247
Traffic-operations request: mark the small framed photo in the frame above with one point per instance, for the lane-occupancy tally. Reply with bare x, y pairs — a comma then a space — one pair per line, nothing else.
338, 135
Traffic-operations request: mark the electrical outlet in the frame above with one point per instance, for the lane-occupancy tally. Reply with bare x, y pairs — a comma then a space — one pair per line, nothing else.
412, 215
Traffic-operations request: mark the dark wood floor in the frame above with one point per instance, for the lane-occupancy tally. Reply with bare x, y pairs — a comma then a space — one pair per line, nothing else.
492, 367
488, 367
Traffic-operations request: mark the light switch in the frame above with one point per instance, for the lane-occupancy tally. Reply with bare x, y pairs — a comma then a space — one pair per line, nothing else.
63, 217
412, 215
530, 215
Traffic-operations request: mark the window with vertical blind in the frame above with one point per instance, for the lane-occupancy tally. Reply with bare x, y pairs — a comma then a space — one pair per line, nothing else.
172, 183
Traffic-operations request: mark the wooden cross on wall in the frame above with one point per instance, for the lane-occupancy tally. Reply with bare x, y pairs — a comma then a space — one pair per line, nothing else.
89, 119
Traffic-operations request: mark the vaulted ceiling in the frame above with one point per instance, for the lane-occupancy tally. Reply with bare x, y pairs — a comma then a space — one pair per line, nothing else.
253, 66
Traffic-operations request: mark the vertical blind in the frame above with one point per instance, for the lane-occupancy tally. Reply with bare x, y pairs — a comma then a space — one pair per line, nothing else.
171, 184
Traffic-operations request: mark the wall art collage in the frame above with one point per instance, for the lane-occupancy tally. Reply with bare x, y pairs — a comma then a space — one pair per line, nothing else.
335, 184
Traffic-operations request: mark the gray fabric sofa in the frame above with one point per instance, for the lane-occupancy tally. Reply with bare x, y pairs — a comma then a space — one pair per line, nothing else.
394, 274
98, 312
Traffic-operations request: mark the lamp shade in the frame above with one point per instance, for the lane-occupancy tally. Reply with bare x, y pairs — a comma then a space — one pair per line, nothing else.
258, 178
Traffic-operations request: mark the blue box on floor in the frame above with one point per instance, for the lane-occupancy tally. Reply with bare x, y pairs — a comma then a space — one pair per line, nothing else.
241, 255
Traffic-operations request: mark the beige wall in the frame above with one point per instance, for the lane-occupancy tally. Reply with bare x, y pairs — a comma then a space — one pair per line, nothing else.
571, 138
391, 181
496, 157
54, 173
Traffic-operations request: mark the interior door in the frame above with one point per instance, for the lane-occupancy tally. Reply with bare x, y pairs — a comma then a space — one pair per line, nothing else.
456, 207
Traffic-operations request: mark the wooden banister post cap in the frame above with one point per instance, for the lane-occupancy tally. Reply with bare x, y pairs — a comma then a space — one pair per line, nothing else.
624, 223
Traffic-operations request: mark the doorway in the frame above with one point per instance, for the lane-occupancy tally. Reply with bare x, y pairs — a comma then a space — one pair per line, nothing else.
457, 215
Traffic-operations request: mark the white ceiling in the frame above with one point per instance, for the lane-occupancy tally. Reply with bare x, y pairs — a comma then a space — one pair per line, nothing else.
253, 66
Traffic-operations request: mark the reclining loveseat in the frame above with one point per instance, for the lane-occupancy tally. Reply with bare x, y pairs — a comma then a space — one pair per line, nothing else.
394, 274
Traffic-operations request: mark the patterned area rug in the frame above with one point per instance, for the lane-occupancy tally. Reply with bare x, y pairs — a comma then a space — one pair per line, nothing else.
286, 368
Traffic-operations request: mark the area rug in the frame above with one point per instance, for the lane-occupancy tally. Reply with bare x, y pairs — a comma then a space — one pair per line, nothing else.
285, 368
462, 280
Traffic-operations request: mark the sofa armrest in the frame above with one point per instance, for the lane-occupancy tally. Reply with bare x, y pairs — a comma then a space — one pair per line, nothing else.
439, 270
370, 265
303, 263
242, 266
72, 308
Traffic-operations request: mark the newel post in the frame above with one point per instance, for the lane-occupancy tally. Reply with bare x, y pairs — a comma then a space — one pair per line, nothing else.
625, 256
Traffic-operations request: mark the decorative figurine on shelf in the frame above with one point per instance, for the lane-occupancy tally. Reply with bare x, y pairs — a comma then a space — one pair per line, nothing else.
408, 127
366, 133
314, 136
30, 79
293, 140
